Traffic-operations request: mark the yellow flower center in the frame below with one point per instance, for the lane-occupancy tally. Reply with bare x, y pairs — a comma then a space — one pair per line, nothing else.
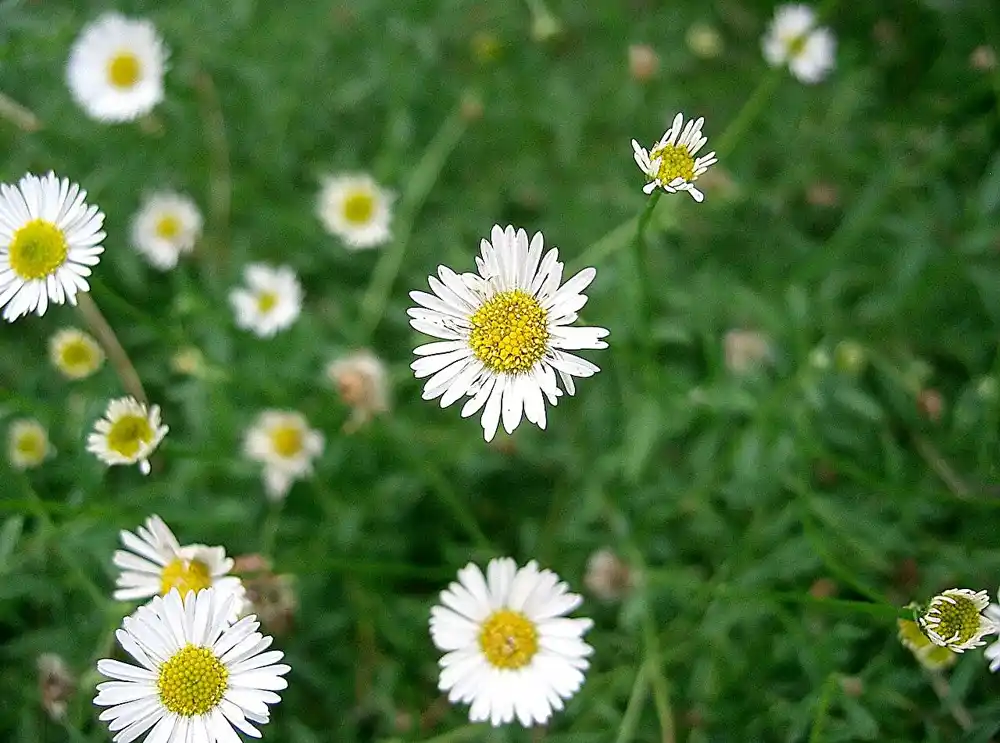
78, 354
185, 576
359, 206
31, 445
192, 682
266, 301
124, 70
287, 440
675, 162
37, 250
510, 332
957, 622
168, 227
128, 434
797, 45
508, 639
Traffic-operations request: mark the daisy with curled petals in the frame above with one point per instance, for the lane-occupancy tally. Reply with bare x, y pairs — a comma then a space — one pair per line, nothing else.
954, 619
271, 301
505, 332
115, 69
128, 433
167, 225
282, 441
28, 444
75, 354
510, 651
153, 563
49, 238
199, 679
671, 163
356, 209
794, 39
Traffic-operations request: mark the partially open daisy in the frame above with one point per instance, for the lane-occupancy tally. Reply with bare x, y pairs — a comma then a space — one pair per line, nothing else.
27, 444
282, 441
953, 619
167, 225
115, 69
127, 434
356, 209
271, 301
510, 651
505, 333
794, 39
49, 237
153, 563
199, 677
671, 163
75, 354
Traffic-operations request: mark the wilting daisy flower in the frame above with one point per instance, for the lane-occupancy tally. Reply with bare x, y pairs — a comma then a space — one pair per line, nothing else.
75, 354
271, 300
199, 678
115, 69
283, 442
363, 383
153, 563
510, 651
355, 209
931, 656
794, 39
127, 434
671, 163
166, 225
27, 444
49, 237
954, 620
506, 332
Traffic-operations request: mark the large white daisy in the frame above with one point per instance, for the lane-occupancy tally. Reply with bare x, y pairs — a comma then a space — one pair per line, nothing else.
115, 69
505, 333
200, 678
49, 237
356, 209
167, 225
671, 164
271, 301
284, 443
794, 39
510, 651
128, 433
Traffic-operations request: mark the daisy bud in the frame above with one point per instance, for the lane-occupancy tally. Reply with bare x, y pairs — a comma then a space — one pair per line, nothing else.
703, 40
850, 357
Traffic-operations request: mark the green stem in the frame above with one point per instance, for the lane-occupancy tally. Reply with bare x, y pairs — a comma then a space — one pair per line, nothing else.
747, 115
269, 531
870, 609
636, 701
823, 709
112, 347
642, 265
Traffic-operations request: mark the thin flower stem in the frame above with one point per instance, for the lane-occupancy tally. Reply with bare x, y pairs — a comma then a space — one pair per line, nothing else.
823, 709
641, 267
112, 347
21, 117
220, 176
943, 690
941, 468
748, 114
636, 701
269, 531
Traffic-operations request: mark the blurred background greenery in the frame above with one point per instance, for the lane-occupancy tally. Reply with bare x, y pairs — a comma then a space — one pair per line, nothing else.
808, 412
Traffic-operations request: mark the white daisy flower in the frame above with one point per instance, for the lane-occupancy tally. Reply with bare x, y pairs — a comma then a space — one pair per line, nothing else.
356, 209
127, 434
793, 39
953, 619
992, 652
115, 69
510, 651
167, 225
199, 678
27, 444
271, 301
671, 164
153, 563
282, 441
49, 237
506, 332
75, 354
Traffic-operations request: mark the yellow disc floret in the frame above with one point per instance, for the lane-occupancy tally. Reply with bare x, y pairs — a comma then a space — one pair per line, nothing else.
37, 250
124, 70
168, 227
359, 206
129, 434
675, 162
510, 332
286, 440
192, 682
185, 576
266, 301
508, 639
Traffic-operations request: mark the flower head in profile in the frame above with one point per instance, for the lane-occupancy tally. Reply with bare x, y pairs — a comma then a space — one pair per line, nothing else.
671, 163
932, 657
505, 333
282, 441
196, 675
363, 383
49, 239
793, 39
356, 209
128, 433
75, 353
510, 650
166, 226
27, 444
954, 619
115, 69
271, 300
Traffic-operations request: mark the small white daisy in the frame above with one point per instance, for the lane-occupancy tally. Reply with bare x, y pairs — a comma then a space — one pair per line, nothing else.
75, 354
115, 69
953, 619
506, 332
27, 444
153, 563
49, 237
356, 209
271, 301
167, 225
200, 677
510, 651
127, 434
282, 441
671, 164
794, 39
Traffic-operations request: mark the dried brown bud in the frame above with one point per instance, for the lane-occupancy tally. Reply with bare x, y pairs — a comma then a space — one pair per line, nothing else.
823, 194
608, 577
55, 685
983, 58
745, 350
852, 686
823, 588
643, 62
363, 384
931, 404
